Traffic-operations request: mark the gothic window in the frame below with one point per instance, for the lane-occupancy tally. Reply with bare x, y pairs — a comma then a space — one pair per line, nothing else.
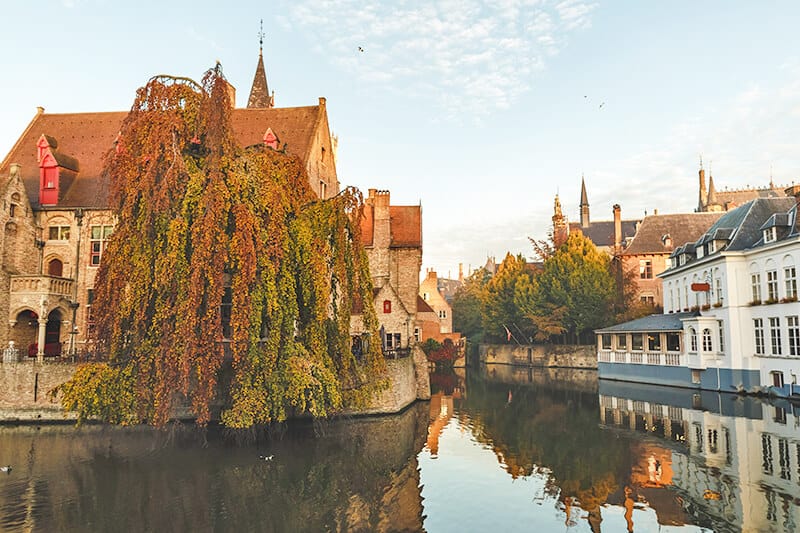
692, 339
790, 275
706, 340
755, 282
55, 268
772, 285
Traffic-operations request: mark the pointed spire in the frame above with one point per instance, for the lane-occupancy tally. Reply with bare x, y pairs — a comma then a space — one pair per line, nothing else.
259, 93
712, 192
584, 204
702, 199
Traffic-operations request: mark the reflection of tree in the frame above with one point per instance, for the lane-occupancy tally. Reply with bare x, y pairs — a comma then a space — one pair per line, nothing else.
548, 428
360, 476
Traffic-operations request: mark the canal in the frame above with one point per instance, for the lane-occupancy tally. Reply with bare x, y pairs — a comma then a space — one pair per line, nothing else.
498, 448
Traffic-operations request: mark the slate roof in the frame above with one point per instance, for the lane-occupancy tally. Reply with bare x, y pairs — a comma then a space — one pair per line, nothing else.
601, 233
86, 137
740, 197
681, 228
667, 322
746, 221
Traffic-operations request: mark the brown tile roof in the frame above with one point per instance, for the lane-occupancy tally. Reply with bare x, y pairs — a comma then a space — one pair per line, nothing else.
405, 221
86, 137
681, 228
422, 306
601, 233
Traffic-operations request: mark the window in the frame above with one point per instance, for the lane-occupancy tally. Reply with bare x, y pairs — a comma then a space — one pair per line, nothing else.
606, 341
721, 336
790, 275
783, 459
777, 378
323, 189
622, 341
645, 269
758, 326
695, 376
416, 334
712, 247
794, 335
766, 453
442, 314
775, 335
706, 340
636, 342
673, 342
58, 233
692, 340
713, 441
755, 281
769, 234
772, 285
654, 342
718, 290
425, 296
89, 316
389, 339
97, 245
647, 299
11, 209
387, 306
55, 268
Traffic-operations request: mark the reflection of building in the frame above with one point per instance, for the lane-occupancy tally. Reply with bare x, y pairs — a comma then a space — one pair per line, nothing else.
734, 461
441, 410
730, 317
56, 217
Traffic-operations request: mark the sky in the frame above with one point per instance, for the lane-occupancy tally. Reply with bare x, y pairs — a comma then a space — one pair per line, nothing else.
480, 112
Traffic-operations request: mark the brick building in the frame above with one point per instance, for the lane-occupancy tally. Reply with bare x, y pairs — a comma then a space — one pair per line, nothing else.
392, 236
56, 218
712, 200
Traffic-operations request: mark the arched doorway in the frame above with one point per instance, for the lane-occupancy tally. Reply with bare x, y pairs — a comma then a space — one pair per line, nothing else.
55, 268
52, 334
24, 332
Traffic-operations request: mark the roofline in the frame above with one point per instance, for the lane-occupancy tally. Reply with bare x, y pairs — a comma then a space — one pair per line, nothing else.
5, 160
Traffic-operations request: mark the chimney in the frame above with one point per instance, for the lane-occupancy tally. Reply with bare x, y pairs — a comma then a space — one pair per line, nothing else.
701, 203
382, 219
617, 229
794, 190
461, 272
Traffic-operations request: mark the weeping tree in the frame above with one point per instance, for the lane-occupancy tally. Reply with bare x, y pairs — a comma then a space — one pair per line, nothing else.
206, 226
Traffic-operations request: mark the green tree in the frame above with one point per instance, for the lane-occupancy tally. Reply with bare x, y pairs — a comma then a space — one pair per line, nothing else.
468, 306
576, 285
502, 297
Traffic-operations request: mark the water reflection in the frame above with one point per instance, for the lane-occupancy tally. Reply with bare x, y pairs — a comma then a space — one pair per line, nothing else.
358, 475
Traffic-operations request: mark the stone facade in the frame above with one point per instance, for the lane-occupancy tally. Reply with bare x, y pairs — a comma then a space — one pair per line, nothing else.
429, 290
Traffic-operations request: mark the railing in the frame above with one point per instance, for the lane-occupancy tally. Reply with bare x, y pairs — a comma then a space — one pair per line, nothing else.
49, 285
397, 353
638, 358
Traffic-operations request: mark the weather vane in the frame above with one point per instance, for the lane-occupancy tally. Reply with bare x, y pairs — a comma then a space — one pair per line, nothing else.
261, 35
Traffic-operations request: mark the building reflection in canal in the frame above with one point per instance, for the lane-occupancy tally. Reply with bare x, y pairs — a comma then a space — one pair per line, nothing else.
733, 461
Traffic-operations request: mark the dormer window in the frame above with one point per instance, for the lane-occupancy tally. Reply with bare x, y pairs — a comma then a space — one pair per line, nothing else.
682, 259
712, 247
770, 234
270, 139
700, 250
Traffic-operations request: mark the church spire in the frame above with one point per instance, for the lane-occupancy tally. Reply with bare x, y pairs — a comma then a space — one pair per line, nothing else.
584, 205
259, 93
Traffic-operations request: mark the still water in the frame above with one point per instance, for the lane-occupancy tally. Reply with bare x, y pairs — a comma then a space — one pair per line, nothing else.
496, 449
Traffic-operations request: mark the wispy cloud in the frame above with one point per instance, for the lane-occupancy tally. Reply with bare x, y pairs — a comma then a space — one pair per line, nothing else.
466, 56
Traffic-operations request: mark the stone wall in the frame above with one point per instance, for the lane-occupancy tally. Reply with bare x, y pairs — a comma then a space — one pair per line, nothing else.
539, 355
24, 389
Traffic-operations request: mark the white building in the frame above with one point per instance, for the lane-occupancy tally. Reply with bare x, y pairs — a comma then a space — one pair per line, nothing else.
731, 300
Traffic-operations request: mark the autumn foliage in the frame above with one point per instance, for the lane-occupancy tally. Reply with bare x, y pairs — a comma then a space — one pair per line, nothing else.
221, 249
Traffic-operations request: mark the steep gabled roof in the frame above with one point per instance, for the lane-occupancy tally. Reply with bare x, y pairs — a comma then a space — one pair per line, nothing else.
601, 233
405, 226
681, 228
86, 137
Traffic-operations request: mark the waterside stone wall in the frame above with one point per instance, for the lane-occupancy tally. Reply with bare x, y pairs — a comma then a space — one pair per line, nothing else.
539, 355
25, 386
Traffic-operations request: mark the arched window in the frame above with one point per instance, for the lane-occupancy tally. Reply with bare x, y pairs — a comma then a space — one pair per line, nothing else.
55, 268
693, 339
706, 340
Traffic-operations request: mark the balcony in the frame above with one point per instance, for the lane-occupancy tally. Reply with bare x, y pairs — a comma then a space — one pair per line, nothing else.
41, 286
640, 357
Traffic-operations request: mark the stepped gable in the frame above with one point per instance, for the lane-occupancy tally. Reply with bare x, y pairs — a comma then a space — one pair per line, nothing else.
84, 138
681, 228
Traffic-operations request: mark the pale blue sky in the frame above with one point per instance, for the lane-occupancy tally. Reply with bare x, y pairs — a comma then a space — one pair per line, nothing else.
481, 111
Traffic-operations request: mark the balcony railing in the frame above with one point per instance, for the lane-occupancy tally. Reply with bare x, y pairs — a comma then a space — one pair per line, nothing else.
638, 358
41, 285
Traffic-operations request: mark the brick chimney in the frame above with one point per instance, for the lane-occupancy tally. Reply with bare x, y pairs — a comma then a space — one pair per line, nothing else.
794, 190
617, 229
381, 235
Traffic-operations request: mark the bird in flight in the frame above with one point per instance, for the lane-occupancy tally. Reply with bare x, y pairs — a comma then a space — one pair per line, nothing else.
360, 49
601, 105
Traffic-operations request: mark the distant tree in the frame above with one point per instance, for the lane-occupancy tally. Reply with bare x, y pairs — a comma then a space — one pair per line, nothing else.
501, 301
576, 285
468, 306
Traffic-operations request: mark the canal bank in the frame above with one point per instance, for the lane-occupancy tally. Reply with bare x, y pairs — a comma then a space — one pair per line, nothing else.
25, 390
547, 355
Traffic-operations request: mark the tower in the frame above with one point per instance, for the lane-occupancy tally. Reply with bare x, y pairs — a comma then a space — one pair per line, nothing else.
560, 227
702, 200
259, 93
584, 205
